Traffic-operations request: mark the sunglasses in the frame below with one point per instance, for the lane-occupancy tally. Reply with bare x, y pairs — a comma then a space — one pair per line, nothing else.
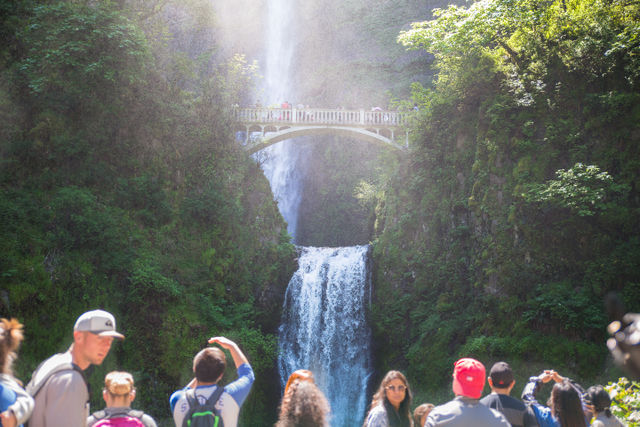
400, 388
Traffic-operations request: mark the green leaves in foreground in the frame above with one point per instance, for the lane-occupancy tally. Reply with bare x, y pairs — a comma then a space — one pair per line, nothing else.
625, 397
584, 190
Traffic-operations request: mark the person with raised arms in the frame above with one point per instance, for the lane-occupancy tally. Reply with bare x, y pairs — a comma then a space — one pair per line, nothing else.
205, 394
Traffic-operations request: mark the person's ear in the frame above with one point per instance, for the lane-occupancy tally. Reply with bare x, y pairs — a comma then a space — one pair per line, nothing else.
490, 381
105, 396
132, 395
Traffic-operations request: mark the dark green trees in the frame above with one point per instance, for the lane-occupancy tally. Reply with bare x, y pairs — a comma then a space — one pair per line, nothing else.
518, 211
121, 187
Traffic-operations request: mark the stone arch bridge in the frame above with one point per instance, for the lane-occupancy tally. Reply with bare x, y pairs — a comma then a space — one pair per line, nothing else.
262, 127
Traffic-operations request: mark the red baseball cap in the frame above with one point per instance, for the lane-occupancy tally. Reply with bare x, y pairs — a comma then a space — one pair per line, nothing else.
468, 378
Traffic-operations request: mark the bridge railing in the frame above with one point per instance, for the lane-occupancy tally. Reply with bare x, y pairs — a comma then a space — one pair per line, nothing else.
318, 116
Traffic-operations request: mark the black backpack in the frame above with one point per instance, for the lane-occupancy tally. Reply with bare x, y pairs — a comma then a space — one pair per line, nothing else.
205, 415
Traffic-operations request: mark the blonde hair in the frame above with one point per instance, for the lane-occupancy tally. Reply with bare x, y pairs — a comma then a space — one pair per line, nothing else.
10, 339
118, 383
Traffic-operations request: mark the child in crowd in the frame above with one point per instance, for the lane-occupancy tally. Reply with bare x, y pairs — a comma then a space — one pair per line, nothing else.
118, 393
420, 414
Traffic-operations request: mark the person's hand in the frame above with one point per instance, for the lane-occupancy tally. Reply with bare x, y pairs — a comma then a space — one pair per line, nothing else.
556, 377
8, 419
546, 376
222, 342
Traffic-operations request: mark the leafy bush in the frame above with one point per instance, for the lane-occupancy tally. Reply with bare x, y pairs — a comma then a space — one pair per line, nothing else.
625, 397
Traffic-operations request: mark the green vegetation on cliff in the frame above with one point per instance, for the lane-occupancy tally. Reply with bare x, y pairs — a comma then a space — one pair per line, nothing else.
121, 188
517, 208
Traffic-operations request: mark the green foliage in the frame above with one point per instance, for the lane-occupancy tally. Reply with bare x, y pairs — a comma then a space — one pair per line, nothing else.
502, 230
625, 397
582, 189
335, 209
121, 188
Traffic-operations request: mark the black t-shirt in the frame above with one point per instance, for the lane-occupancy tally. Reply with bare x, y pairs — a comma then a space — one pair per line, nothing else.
516, 412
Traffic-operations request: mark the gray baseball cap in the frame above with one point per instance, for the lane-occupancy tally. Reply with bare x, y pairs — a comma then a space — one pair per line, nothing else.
98, 322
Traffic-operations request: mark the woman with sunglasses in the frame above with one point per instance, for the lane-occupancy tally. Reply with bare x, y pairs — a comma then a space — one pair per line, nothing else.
391, 404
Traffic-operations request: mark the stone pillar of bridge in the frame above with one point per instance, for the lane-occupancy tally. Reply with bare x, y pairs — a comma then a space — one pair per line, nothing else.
361, 117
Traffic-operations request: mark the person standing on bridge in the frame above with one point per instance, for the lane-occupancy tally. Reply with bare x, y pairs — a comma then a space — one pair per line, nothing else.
285, 114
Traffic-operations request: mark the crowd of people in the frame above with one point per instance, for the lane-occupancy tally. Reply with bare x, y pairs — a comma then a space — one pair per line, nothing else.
58, 393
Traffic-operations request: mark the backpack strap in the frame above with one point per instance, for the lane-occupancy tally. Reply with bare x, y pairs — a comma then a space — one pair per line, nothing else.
98, 415
135, 413
38, 380
193, 400
215, 396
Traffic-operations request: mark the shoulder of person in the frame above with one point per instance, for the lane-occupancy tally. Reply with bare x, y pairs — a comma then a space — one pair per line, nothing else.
148, 421
68, 378
377, 417
176, 397
500, 419
9, 381
442, 413
489, 398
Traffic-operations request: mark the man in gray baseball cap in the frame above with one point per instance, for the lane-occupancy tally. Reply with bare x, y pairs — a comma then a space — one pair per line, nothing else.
59, 386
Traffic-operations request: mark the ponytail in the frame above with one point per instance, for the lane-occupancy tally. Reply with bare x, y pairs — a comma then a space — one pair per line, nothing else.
10, 339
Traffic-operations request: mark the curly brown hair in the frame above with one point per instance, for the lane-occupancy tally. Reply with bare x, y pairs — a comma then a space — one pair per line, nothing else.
10, 339
306, 407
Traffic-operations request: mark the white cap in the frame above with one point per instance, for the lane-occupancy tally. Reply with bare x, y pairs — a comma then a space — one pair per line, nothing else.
98, 322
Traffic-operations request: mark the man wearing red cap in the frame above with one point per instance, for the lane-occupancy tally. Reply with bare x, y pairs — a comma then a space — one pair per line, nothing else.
59, 386
466, 410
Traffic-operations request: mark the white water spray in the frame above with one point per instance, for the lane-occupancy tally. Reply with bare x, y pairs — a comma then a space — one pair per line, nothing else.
279, 161
324, 328
323, 325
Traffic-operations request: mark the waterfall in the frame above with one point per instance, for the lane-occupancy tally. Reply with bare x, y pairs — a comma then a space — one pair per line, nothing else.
281, 165
279, 51
281, 162
324, 327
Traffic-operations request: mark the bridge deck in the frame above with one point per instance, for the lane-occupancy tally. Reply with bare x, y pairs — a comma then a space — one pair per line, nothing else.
318, 116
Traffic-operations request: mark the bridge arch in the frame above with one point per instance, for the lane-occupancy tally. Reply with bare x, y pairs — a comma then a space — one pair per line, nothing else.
368, 135
279, 124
